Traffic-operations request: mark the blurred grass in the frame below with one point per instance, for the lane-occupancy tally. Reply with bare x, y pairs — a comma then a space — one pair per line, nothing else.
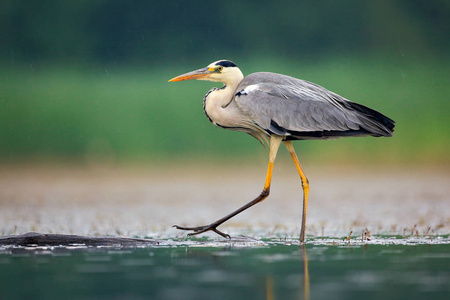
133, 114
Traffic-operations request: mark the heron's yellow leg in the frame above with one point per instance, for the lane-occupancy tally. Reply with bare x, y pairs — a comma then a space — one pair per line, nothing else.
305, 186
275, 142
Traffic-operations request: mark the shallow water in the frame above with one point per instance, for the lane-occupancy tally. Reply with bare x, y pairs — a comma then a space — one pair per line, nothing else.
405, 213
202, 269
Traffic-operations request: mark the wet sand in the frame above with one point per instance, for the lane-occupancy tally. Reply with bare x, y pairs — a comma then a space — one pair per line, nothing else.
147, 201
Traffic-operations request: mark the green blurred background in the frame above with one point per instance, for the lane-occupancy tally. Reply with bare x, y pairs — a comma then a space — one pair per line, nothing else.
86, 81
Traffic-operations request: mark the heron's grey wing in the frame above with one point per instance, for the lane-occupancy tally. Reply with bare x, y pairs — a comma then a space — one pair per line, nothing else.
288, 106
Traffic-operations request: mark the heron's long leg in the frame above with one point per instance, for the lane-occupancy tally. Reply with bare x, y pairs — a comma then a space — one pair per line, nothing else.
275, 142
305, 186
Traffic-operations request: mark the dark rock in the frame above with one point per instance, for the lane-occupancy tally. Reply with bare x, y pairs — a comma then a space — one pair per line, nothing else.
40, 239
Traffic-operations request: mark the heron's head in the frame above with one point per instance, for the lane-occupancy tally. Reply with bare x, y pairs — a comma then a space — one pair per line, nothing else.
224, 71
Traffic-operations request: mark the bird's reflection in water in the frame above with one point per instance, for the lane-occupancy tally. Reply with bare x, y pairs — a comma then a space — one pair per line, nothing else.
269, 287
305, 284
305, 273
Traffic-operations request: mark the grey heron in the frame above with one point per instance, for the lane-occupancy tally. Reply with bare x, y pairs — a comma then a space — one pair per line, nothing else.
276, 108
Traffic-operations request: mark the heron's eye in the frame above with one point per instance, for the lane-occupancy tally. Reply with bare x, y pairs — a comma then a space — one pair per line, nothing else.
219, 68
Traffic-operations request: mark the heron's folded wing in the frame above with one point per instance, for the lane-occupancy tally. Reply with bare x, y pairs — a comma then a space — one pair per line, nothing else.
280, 103
293, 109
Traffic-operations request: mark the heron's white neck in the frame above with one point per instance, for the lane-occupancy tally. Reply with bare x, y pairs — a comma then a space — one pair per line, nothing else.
219, 104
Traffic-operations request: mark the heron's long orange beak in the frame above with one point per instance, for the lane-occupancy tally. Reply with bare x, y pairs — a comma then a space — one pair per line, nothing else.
197, 74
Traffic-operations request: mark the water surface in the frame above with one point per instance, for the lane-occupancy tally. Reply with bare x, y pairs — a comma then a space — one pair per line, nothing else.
270, 270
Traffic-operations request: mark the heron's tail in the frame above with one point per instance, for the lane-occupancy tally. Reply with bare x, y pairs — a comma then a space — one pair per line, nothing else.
375, 122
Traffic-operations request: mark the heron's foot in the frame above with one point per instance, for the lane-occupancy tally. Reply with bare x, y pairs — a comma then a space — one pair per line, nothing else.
202, 229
